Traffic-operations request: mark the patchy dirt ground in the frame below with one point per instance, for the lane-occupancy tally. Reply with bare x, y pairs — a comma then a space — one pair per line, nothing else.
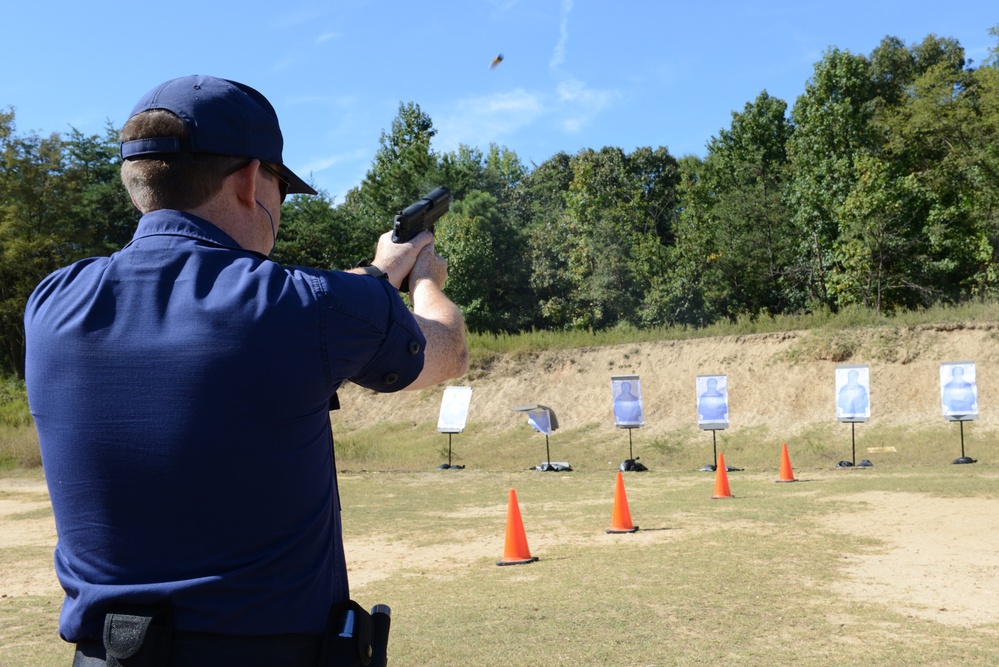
941, 555
939, 558
28, 531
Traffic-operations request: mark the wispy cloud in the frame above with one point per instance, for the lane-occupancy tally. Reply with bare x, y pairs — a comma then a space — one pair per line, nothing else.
345, 101
503, 5
576, 103
325, 162
558, 55
327, 37
295, 18
581, 103
478, 121
282, 64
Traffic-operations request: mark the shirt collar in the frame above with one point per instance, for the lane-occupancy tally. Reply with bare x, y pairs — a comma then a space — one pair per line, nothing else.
167, 222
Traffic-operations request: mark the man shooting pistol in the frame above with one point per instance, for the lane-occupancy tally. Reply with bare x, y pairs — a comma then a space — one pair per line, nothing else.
181, 391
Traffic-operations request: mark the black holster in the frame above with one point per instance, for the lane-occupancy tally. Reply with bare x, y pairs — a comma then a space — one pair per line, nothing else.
349, 636
138, 638
354, 637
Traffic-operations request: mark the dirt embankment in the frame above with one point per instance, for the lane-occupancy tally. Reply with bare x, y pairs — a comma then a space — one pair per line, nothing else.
780, 381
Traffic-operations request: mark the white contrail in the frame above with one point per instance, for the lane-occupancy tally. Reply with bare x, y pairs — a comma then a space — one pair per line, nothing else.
558, 55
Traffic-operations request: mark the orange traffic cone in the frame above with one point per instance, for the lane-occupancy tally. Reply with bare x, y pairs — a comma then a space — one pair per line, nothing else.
721, 480
621, 518
786, 474
515, 552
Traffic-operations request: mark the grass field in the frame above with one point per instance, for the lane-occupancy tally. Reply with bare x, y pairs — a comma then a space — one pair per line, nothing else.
768, 577
756, 579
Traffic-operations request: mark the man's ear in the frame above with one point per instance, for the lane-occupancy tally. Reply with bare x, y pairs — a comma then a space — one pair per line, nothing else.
244, 184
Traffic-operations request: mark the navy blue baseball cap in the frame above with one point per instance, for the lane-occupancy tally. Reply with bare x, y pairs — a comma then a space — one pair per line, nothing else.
223, 118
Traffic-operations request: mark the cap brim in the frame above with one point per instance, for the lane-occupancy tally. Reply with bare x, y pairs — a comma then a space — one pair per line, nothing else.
296, 186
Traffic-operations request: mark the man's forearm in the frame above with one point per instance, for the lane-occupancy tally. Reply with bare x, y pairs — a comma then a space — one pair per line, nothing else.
446, 354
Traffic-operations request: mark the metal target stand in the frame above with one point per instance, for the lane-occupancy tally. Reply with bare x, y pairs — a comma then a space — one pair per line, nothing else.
448, 465
963, 459
542, 419
454, 412
631, 464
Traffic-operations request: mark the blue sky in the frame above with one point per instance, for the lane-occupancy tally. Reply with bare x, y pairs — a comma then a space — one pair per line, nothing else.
576, 74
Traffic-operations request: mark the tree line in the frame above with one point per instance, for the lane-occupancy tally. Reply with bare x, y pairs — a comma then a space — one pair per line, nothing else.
879, 187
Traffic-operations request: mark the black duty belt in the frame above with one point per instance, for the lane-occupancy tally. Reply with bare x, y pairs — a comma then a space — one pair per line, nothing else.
192, 649
145, 637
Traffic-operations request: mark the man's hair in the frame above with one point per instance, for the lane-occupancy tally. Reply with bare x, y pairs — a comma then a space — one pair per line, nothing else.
180, 181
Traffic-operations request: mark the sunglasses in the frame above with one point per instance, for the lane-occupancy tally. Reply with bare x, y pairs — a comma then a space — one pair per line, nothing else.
283, 185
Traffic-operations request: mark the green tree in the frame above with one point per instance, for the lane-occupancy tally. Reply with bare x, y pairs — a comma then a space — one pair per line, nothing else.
405, 166
466, 169
686, 276
315, 232
504, 173
60, 200
594, 233
26, 253
596, 239
462, 171
102, 217
537, 207
833, 123
986, 174
732, 238
936, 141
746, 173
541, 193
882, 250
487, 273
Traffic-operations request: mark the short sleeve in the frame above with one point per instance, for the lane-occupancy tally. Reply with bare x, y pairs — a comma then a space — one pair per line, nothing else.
372, 338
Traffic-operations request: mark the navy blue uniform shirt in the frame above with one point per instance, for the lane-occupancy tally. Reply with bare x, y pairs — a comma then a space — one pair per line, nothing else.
181, 393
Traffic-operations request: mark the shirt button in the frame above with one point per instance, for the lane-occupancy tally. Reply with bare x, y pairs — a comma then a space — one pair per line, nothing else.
414, 347
391, 378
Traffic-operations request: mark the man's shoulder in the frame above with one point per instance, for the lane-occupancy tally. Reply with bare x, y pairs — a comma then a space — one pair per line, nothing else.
68, 277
